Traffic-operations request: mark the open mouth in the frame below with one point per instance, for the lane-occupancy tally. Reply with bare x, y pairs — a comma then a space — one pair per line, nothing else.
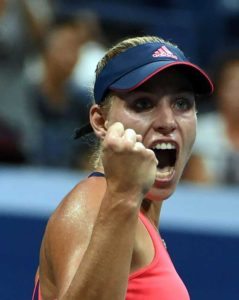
166, 154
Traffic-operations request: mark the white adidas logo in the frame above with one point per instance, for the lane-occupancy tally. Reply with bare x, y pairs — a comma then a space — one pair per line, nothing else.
164, 52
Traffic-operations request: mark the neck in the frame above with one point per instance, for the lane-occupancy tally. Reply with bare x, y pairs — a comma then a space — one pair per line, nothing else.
152, 210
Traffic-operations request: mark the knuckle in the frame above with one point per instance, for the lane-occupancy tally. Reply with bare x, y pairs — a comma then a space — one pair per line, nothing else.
110, 142
139, 147
130, 131
128, 144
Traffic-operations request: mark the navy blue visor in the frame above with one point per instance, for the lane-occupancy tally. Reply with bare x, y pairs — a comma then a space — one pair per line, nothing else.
131, 68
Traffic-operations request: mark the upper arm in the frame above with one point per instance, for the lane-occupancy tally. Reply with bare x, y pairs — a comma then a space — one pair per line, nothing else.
66, 239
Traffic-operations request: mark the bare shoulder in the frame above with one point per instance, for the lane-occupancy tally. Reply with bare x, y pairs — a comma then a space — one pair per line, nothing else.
80, 206
68, 233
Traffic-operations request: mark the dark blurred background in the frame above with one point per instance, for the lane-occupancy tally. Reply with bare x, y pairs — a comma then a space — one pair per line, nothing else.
48, 53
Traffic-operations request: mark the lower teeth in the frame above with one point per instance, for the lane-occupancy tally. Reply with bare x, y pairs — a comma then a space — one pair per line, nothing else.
165, 172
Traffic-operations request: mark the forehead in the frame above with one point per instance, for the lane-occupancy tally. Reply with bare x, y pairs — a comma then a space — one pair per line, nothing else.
168, 80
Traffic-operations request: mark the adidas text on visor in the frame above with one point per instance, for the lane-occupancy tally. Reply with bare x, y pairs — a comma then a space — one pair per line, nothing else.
131, 68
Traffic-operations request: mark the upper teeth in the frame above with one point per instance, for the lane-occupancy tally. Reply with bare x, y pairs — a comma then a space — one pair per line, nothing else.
164, 146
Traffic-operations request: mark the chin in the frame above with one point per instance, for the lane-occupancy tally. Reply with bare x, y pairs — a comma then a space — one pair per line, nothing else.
160, 194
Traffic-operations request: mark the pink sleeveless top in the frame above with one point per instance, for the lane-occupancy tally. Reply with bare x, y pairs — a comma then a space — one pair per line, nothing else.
157, 281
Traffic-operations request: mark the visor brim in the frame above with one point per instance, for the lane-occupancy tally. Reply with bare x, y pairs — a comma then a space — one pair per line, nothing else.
201, 83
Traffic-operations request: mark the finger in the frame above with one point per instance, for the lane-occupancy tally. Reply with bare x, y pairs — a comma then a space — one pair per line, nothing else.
116, 130
139, 138
130, 136
139, 146
152, 154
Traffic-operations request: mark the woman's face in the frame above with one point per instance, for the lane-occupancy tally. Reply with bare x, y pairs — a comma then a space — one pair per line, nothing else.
163, 111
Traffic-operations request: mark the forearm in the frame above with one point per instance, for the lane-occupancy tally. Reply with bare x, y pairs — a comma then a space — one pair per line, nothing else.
105, 267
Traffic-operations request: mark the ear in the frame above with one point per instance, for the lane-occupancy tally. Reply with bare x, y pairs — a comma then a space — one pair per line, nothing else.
98, 121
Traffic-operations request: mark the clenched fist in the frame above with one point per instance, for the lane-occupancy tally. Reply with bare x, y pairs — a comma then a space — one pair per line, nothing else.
128, 165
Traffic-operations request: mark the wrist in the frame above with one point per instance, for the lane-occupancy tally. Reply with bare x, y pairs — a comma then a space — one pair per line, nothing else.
127, 201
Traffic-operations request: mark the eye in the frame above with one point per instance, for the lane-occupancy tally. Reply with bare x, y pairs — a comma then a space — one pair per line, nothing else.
142, 104
184, 103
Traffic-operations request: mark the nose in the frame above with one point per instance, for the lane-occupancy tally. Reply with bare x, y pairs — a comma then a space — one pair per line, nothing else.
164, 121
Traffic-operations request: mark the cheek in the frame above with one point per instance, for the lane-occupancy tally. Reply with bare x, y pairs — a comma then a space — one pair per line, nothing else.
187, 131
129, 120
189, 134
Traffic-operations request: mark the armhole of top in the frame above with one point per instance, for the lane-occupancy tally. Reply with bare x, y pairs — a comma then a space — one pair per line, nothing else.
153, 236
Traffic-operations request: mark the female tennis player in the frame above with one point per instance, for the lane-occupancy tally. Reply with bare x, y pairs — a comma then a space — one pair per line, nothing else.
102, 242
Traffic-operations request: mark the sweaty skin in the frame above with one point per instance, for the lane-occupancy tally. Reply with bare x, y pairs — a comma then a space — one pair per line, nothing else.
95, 235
